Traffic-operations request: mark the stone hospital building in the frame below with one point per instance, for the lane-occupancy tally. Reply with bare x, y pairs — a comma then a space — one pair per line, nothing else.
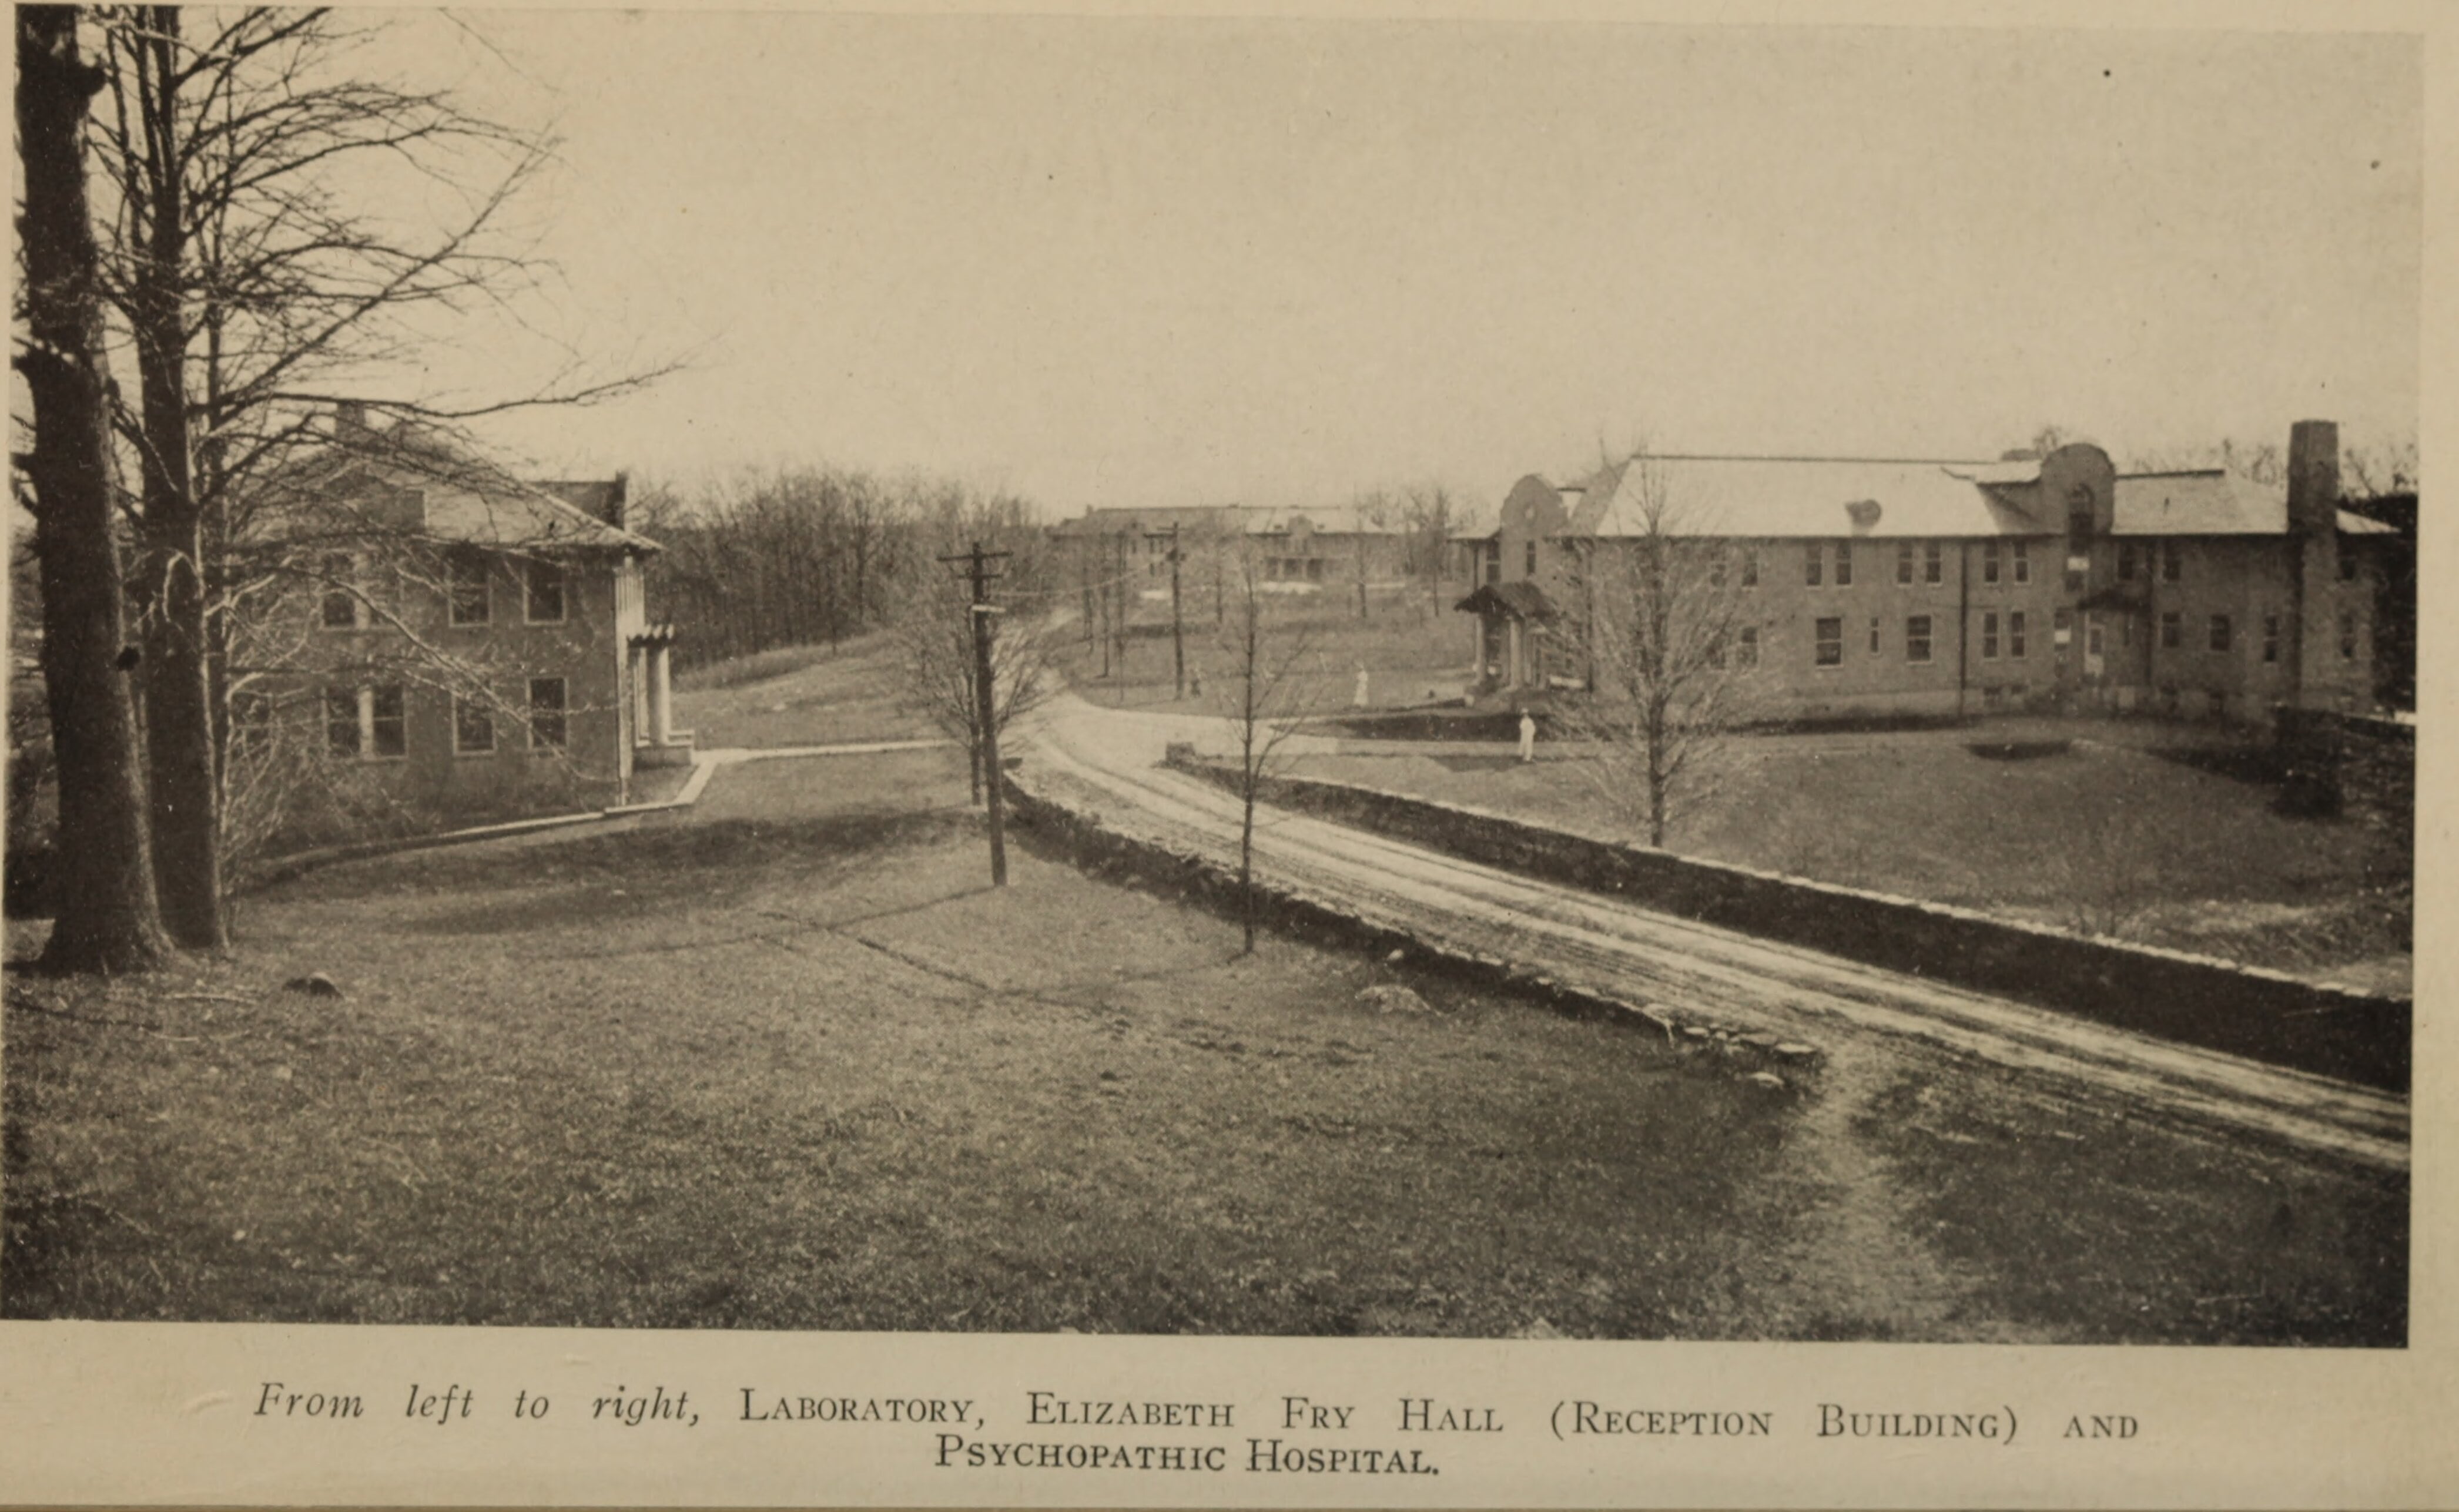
1874, 588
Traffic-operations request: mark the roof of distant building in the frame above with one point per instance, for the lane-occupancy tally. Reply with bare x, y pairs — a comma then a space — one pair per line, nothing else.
1761, 498
1813, 498
1252, 519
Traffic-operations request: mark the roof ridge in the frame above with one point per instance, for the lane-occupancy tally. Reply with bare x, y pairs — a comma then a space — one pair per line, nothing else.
1744, 457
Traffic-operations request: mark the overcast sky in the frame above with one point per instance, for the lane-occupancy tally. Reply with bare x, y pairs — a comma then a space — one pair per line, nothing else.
1113, 261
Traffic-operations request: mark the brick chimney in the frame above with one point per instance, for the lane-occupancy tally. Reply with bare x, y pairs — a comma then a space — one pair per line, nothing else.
2313, 477
617, 497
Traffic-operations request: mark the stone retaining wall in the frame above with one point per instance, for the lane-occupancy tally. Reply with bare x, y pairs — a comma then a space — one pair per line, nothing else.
2244, 1010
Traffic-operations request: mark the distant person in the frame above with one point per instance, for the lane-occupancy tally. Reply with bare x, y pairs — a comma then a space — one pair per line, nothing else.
1527, 736
1358, 699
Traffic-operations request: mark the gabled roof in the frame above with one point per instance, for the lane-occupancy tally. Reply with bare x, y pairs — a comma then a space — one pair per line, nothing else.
1763, 497
407, 480
1811, 497
2207, 501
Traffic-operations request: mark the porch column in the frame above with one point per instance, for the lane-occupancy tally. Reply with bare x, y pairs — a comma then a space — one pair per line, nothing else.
1511, 668
635, 689
661, 723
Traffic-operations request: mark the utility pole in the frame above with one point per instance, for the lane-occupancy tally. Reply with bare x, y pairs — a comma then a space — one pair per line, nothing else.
1177, 626
1119, 620
986, 700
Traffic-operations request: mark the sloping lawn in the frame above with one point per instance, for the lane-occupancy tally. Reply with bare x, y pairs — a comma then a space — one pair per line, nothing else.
2102, 837
800, 696
801, 1068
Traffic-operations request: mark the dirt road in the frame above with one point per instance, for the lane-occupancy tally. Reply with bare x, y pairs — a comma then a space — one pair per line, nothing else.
1860, 1017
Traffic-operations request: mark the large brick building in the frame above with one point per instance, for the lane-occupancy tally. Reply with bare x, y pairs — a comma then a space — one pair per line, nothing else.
1945, 588
453, 638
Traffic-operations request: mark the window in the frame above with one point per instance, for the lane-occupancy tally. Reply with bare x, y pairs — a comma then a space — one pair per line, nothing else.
1716, 568
1746, 649
342, 720
546, 712
2219, 632
467, 571
1989, 561
474, 728
1528, 561
1988, 638
1904, 562
1916, 638
2172, 634
388, 732
1933, 562
1813, 563
2015, 634
2271, 638
1874, 635
2347, 565
2173, 562
1749, 568
2125, 561
340, 610
2022, 561
1494, 561
2091, 634
1829, 648
544, 581
2347, 636
1314, 565
1843, 564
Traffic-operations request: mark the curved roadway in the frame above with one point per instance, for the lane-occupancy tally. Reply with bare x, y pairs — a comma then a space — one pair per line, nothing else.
1107, 761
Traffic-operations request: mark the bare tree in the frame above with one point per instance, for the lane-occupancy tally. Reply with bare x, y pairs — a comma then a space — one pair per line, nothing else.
105, 914
1429, 516
1262, 679
935, 638
262, 246
1670, 651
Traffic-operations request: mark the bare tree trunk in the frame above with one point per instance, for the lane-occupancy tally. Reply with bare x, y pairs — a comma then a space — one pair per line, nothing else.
178, 707
106, 916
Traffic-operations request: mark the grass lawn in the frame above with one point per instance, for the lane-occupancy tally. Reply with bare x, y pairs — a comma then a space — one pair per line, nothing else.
792, 1064
2104, 836
1412, 655
800, 696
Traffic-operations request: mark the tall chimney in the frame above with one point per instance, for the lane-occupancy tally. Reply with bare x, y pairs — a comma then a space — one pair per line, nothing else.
2313, 477
617, 497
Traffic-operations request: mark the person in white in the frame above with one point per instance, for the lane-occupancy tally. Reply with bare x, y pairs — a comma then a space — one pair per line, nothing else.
1358, 699
1527, 736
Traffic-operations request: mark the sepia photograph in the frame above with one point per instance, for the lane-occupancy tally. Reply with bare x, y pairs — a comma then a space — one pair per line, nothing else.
775, 672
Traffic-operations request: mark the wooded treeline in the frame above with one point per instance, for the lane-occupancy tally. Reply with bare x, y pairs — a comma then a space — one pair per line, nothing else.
813, 555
